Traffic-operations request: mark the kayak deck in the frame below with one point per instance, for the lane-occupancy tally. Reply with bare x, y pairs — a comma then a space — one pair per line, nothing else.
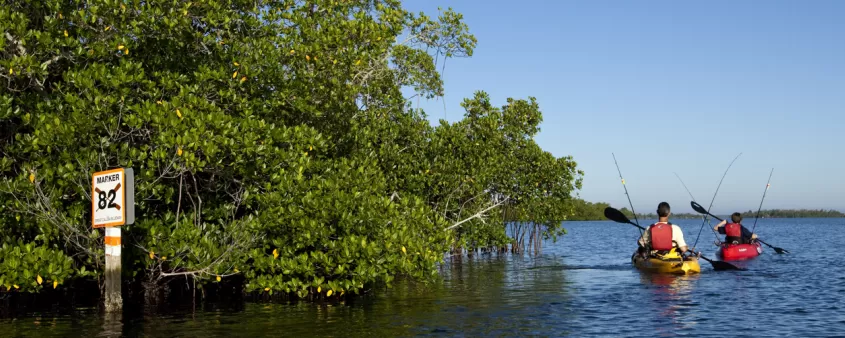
735, 252
670, 263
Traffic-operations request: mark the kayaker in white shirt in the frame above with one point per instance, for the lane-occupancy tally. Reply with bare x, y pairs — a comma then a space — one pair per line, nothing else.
662, 241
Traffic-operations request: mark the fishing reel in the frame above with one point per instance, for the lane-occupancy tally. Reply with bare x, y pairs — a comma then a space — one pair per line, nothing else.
717, 242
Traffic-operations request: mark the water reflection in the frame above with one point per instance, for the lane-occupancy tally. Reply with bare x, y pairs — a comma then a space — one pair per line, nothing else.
112, 325
672, 297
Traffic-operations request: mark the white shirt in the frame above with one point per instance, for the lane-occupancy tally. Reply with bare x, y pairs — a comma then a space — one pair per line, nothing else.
677, 236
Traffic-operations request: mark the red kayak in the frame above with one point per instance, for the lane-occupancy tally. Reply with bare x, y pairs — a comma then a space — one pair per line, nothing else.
735, 252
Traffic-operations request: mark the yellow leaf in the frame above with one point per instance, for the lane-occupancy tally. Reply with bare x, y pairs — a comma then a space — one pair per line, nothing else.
310, 148
11, 71
65, 33
60, 15
39, 279
152, 254
266, 289
164, 258
178, 113
334, 62
292, 52
107, 28
379, 39
235, 75
31, 178
329, 293
18, 217
275, 253
218, 278
158, 102
126, 52
236, 64
236, 270
185, 12
403, 249
342, 292
243, 79
16, 286
122, 7
315, 58
119, 47
55, 284
179, 151
358, 62
319, 289
307, 58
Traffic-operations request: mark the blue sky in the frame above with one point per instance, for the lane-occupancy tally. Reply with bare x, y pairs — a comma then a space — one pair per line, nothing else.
670, 87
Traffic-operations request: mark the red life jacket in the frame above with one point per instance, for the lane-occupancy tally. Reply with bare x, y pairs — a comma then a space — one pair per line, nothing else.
661, 236
733, 230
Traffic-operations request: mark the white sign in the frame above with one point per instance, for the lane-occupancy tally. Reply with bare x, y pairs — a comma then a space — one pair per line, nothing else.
112, 198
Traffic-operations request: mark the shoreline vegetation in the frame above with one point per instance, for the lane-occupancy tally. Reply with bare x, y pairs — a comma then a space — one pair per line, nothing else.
275, 150
590, 211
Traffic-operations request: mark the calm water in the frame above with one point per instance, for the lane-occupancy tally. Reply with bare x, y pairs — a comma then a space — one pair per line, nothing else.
583, 285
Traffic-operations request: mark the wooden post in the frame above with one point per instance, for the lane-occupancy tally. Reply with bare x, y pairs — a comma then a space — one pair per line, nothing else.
114, 301
113, 205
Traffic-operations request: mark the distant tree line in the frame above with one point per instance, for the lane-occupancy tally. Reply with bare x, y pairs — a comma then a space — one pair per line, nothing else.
794, 213
589, 211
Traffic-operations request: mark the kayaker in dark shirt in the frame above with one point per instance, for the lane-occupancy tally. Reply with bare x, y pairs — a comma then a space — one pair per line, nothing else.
734, 232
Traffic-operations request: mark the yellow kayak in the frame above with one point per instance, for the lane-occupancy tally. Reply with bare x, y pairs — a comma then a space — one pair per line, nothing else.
669, 263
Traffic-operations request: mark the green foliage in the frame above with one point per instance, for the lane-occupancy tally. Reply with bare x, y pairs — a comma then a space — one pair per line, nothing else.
269, 139
32, 267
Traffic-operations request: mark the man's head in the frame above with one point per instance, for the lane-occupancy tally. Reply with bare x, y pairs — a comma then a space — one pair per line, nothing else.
736, 217
663, 209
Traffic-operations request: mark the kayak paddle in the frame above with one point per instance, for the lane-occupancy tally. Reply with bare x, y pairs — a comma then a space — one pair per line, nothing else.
698, 208
617, 216
778, 250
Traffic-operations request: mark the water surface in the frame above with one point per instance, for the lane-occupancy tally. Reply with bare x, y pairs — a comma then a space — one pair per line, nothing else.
583, 285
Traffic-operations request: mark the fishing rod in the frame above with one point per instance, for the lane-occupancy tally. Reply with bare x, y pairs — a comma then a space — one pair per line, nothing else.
693, 199
714, 199
777, 249
626, 194
761, 200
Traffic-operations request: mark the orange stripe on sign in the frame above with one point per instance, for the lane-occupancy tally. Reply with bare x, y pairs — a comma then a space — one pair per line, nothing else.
113, 241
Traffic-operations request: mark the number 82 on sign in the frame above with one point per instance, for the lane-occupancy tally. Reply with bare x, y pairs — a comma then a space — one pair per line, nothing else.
113, 198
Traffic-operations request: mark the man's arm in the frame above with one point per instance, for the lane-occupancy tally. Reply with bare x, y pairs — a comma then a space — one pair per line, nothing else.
643, 239
720, 227
747, 234
678, 237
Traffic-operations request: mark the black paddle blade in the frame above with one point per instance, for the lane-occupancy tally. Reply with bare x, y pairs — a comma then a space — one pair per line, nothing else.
778, 250
697, 207
722, 266
615, 215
